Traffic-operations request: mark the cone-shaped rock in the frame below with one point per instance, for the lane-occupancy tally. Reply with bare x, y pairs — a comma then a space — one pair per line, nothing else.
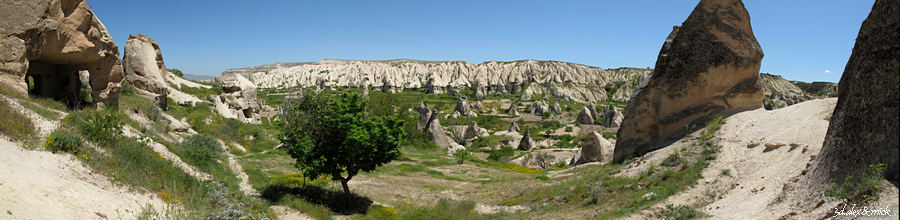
424, 116
436, 132
710, 68
526, 143
472, 130
514, 127
512, 110
612, 117
864, 126
555, 107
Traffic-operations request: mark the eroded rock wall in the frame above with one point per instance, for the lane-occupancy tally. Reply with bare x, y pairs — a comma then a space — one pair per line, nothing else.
51, 41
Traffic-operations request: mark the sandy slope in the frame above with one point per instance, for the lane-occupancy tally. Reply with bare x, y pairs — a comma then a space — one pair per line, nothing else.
759, 178
43, 185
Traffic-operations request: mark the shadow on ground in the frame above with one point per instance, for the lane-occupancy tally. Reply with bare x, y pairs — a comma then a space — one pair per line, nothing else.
336, 201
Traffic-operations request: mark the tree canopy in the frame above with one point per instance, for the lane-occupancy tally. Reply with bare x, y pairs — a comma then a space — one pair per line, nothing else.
330, 135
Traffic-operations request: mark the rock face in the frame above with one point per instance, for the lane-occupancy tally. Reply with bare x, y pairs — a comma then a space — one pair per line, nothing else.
864, 126
596, 148
565, 81
612, 117
709, 68
239, 100
585, 117
145, 67
50, 41
526, 143
539, 107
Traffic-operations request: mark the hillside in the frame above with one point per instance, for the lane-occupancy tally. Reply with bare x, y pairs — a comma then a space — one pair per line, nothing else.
566, 81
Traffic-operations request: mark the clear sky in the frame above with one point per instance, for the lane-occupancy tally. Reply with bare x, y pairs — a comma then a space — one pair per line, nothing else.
802, 40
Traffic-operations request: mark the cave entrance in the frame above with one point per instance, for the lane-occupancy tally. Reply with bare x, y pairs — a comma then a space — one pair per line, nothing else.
55, 81
248, 113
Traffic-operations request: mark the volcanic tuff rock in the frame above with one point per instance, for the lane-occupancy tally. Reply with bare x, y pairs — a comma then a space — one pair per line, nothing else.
566, 81
782, 93
539, 107
555, 107
512, 110
473, 131
864, 126
593, 109
514, 127
145, 67
436, 132
585, 117
51, 41
596, 148
526, 143
239, 100
710, 67
612, 117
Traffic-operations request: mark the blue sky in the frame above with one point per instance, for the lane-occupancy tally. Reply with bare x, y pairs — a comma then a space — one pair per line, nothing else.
802, 40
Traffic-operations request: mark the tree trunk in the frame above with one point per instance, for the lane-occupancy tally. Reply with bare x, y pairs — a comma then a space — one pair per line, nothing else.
346, 188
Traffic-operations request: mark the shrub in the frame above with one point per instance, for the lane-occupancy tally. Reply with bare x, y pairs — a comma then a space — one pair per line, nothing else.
569, 129
862, 188
127, 88
504, 152
200, 149
60, 141
99, 126
544, 159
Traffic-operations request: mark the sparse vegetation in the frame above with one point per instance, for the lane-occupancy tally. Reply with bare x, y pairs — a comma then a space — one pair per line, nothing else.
864, 187
63, 142
682, 212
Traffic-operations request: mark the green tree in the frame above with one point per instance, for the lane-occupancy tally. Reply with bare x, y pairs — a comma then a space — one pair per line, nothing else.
330, 135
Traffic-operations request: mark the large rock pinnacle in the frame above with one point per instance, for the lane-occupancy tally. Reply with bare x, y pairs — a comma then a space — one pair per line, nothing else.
707, 67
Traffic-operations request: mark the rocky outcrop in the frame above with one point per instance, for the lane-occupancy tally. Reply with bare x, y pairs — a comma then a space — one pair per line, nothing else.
239, 100
822, 89
585, 117
539, 107
50, 41
780, 93
709, 68
526, 143
512, 110
473, 131
565, 81
593, 109
596, 148
436, 132
463, 108
424, 116
864, 126
145, 67
612, 117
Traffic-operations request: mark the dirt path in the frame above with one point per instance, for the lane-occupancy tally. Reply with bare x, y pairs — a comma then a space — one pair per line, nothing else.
756, 173
43, 185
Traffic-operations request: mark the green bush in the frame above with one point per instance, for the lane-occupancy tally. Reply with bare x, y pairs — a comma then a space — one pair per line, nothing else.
505, 153
569, 129
99, 126
864, 187
200, 149
60, 141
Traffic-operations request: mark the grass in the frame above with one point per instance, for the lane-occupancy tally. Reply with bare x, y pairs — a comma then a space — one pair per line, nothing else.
15, 125
681, 212
864, 187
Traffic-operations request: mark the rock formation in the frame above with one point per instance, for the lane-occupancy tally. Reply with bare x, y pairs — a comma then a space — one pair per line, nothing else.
864, 126
780, 93
473, 131
612, 117
239, 99
424, 116
538, 107
555, 107
464, 108
565, 81
145, 67
436, 132
526, 143
709, 68
596, 148
50, 42
585, 117
514, 127
593, 109
512, 110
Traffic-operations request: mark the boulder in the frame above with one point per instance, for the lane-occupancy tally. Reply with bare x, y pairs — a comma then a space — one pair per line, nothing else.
512, 110
477, 106
239, 98
436, 132
526, 143
145, 67
538, 107
50, 42
585, 117
864, 126
514, 127
454, 149
555, 107
596, 148
709, 68
612, 117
